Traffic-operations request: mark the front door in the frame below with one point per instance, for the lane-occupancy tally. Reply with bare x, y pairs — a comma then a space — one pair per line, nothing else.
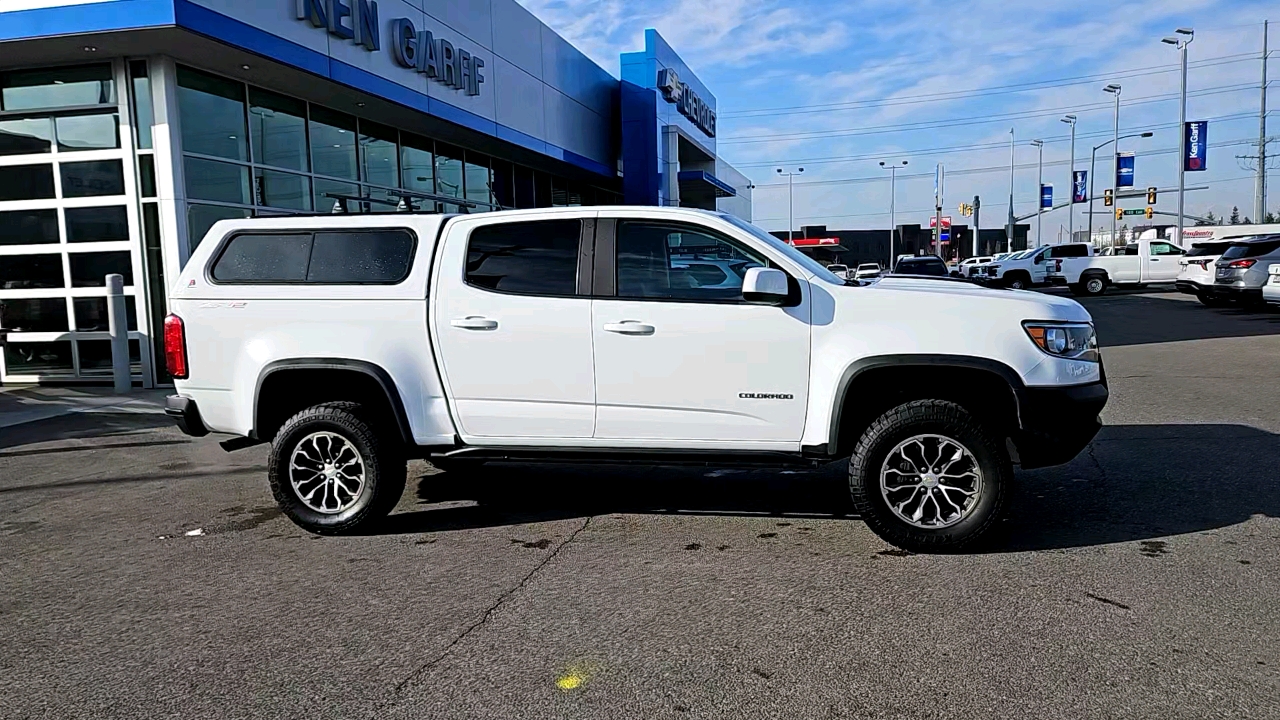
514, 334
680, 357
1164, 265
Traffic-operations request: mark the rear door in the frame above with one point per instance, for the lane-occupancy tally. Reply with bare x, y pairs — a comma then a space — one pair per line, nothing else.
513, 326
681, 363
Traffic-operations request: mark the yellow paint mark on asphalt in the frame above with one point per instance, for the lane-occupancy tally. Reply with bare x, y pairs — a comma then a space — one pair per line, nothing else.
571, 680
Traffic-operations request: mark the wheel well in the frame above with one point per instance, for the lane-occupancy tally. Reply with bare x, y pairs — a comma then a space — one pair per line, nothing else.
285, 392
873, 392
1094, 272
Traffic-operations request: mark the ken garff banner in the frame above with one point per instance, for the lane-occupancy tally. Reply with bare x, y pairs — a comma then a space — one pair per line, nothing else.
1124, 169
1080, 186
1195, 146
1046, 197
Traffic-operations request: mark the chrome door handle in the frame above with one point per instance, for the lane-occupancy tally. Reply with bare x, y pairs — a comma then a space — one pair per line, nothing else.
475, 322
629, 327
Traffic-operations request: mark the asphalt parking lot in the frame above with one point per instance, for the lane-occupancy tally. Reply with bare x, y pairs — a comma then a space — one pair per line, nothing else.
1139, 581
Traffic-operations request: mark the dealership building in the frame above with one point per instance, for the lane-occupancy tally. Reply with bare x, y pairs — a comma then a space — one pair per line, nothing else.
128, 127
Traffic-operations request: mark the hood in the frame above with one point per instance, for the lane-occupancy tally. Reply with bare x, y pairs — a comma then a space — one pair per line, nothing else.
1028, 304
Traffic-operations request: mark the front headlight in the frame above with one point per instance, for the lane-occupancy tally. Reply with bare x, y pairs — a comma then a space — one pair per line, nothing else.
1072, 341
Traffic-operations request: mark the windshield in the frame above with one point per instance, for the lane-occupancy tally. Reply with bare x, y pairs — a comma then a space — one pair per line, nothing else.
1253, 249
794, 255
1208, 249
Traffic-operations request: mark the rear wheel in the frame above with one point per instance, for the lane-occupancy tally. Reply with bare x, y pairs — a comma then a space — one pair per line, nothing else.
1210, 300
331, 473
1094, 285
927, 476
1019, 281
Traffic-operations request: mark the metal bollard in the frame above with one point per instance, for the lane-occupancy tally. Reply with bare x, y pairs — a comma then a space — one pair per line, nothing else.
118, 327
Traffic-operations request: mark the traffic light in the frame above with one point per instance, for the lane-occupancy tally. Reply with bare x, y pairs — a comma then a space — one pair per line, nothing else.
1119, 213
966, 209
1150, 213
1107, 199
1151, 196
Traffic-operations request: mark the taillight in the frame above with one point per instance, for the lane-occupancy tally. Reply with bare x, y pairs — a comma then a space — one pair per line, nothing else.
1242, 264
175, 347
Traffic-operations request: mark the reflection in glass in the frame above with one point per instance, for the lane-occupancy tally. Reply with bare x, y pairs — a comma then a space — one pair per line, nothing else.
326, 204
28, 227
38, 358
503, 184
91, 314
31, 272
378, 155
449, 174
95, 356
222, 182
26, 182
33, 315
92, 269
333, 143
202, 217
417, 169
143, 112
88, 179
479, 183
57, 87
279, 128
282, 190
156, 287
26, 137
88, 132
147, 175
97, 224
211, 110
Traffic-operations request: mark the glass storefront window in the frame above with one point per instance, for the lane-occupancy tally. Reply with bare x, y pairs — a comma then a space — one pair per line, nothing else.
28, 227
34, 315
57, 87
31, 272
88, 132
95, 356
27, 136
97, 224
282, 190
143, 111
147, 176
279, 126
91, 314
378, 155
94, 178
417, 168
202, 217
333, 143
449, 173
524, 193
503, 184
92, 269
217, 181
38, 358
325, 204
211, 110
26, 182
479, 181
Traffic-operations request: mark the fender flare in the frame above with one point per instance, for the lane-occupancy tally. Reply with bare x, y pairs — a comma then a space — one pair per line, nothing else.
379, 375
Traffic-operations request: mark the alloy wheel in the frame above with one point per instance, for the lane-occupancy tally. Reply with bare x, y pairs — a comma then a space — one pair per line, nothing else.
327, 472
931, 481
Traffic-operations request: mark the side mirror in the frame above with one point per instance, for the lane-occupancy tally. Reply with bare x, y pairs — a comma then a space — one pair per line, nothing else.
1039, 259
764, 286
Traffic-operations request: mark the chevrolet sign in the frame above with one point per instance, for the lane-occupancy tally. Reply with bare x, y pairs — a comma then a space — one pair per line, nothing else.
687, 101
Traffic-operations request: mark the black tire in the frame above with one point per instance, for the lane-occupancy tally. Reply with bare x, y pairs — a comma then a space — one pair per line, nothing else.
950, 421
1094, 285
383, 477
1212, 301
1018, 281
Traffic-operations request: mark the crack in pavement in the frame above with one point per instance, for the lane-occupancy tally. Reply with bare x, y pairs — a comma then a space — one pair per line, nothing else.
502, 599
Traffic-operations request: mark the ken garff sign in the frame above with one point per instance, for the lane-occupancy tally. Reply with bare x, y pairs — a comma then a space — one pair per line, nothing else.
687, 101
357, 21
1195, 146
1080, 186
1124, 169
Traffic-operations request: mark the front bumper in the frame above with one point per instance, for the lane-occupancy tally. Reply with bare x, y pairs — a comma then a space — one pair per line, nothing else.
186, 415
1058, 422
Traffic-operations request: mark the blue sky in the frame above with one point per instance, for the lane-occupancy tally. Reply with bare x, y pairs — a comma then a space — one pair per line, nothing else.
830, 85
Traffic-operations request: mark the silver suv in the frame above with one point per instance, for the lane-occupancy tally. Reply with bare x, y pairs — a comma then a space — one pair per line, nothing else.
1242, 270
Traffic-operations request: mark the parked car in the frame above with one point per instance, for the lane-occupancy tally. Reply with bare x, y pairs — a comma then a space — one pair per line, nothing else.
1244, 269
1197, 273
840, 271
1030, 268
963, 267
931, 265
1136, 264
354, 342
1271, 291
866, 271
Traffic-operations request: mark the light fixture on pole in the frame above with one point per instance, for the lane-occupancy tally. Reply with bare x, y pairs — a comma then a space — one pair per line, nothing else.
1181, 44
1114, 89
893, 220
791, 220
1071, 206
1093, 157
1039, 145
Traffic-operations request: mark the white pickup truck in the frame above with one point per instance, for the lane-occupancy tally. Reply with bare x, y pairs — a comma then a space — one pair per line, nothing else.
1140, 263
352, 343
1029, 268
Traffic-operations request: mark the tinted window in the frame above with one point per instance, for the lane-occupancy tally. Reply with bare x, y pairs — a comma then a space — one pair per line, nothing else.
28, 227
91, 314
88, 132
1127, 250
926, 266
26, 182
40, 315
58, 87
333, 143
279, 129
264, 259
30, 272
202, 217
26, 136
1208, 249
373, 256
1061, 251
1254, 249
88, 179
669, 262
97, 224
532, 258
91, 269
212, 113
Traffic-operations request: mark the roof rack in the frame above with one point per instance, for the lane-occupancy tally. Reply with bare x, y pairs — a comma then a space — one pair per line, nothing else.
407, 202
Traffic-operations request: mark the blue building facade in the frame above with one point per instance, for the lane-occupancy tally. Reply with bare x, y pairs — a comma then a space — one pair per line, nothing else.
128, 127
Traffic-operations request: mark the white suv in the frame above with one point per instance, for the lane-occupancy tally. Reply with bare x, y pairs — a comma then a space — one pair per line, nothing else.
573, 334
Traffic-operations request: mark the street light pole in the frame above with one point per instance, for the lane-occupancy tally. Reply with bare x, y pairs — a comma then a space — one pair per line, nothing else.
791, 212
1181, 44
1115, 157
893, 219
1009, 232
1039, 145
1093, 156
1071, 207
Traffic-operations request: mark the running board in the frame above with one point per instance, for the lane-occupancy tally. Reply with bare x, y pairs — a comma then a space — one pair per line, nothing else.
631, 456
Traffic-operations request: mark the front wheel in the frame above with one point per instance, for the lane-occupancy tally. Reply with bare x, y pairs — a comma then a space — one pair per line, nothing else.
927, 476
1094, 285
331, 473
1019, 282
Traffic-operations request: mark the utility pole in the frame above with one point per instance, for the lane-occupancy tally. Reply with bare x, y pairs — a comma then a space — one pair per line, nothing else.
977, 206
1260, 201
937, 201
1071, 174
1182, 122
1115, 157
893, 194
1009, 227
791, 212
1039, 145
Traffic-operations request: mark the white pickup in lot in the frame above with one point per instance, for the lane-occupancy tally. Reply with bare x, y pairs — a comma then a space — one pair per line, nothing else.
1140, 263
1029, 268
352, 343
